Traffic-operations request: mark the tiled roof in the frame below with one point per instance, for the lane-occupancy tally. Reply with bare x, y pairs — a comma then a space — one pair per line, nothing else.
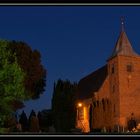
123, 46
91, 83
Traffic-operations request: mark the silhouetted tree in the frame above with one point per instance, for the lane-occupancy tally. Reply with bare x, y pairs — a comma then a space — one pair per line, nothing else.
63, 105
30, 61
33, 122
39, 118
45, 119
30, 116
23, 120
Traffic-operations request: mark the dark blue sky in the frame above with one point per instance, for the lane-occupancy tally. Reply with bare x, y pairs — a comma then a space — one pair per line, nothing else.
73, 40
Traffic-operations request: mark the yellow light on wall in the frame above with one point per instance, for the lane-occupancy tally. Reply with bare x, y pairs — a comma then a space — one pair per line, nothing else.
79, 104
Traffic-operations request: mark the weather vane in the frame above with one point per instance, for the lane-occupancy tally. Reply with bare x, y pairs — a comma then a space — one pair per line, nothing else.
122, 23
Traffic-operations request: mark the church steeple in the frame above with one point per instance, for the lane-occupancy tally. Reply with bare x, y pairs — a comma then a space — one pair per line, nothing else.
123, 45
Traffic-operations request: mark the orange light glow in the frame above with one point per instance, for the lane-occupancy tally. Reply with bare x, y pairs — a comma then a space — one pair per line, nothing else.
79, 104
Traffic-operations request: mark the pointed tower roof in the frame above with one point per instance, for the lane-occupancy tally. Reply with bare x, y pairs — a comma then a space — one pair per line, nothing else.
123, 45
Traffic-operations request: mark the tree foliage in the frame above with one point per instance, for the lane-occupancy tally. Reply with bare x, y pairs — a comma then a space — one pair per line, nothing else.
63, 105
11, 81
30, 61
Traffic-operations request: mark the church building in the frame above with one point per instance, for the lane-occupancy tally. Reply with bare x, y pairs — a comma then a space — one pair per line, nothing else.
109, 97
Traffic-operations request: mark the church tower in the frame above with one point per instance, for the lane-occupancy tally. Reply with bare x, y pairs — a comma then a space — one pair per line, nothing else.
124, 79
110, 96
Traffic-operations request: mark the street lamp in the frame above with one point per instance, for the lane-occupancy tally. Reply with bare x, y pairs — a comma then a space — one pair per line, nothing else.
79, 104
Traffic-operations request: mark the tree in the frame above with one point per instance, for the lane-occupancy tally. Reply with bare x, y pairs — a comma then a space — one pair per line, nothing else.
33, 122
11, 81
63, 105
39, 119
31, 114
30, 61
45, 119
24, 121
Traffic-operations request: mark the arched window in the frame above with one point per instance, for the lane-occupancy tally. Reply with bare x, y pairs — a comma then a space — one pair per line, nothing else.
129, 67
107, 101
114, 108
103, 103
97, 103
112, 69
94, 104
113, 88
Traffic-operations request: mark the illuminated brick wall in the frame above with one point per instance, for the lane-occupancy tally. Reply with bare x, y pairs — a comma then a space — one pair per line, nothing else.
117, 99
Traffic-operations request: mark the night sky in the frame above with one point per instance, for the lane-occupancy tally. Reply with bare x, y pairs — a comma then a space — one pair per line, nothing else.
73, 40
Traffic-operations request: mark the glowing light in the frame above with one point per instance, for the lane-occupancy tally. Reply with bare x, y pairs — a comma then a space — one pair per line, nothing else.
79, 104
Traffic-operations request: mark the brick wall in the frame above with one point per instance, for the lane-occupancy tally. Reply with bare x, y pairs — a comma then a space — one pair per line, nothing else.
118, 97
129, 89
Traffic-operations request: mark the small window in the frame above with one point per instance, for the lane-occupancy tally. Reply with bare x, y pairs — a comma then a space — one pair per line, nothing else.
94, 104
129, 68
107, 101
113, 88
114, 108
112, 69
97, 103
103, 103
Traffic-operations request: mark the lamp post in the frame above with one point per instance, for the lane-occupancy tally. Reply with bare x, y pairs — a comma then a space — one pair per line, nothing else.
79, 105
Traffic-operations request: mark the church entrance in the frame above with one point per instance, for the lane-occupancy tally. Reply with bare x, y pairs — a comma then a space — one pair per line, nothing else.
131, 123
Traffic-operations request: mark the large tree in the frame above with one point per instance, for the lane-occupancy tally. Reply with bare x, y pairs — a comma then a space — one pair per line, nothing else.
30, 61
63, 105
11, 81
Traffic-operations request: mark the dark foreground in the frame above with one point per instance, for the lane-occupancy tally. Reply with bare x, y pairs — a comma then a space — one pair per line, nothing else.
70, 134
